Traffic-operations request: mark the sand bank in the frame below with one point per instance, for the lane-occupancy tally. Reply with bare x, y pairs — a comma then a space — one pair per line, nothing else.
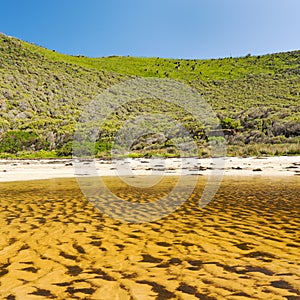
243, 245
17, 170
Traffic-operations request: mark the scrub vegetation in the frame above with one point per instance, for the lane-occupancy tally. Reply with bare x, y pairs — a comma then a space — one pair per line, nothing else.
42, 94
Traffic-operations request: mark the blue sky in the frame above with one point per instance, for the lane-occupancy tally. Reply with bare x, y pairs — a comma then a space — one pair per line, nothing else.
164, 28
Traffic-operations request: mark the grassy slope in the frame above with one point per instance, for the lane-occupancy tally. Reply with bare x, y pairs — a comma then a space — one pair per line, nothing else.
256, 98
44, 96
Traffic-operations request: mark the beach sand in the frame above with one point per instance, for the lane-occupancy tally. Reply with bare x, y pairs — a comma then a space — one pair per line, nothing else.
244, 244
15, 170
54, 244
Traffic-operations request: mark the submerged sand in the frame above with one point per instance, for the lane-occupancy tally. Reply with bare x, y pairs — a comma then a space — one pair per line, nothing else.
54, 244
15, 170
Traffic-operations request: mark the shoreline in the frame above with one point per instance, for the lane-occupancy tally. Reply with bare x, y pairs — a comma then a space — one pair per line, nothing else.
25, 170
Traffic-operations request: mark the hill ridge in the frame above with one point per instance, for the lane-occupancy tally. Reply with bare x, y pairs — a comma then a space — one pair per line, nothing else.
43, 92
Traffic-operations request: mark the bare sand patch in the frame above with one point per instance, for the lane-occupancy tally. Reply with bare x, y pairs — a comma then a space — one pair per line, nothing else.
243, 245
15, 170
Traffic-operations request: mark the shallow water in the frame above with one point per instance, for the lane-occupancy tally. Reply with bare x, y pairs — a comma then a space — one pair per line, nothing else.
244, 244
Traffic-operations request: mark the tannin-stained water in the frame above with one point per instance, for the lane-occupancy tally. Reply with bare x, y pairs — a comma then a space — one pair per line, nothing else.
54, 244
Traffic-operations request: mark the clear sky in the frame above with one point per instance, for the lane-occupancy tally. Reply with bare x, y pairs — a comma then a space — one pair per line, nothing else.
151, 28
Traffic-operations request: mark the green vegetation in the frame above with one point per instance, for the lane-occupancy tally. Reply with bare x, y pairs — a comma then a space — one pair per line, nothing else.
42, 94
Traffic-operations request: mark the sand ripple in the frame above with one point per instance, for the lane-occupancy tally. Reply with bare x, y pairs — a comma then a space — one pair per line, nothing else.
243, 245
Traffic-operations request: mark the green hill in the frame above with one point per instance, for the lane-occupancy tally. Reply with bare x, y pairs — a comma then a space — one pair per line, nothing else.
42, 93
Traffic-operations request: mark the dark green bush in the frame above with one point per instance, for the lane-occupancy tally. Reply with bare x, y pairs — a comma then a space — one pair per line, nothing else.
15, 141
103, 146
65, 150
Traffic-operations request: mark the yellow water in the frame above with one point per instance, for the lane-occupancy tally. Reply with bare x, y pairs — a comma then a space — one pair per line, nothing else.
54, 244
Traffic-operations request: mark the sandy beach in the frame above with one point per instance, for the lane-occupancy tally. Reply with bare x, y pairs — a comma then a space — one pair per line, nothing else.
17, 170
243, 245
55, 244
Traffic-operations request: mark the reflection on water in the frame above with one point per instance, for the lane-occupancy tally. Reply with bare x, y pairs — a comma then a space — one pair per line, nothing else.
243, 245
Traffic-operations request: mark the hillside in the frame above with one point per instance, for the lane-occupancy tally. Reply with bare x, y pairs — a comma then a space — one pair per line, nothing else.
42, 92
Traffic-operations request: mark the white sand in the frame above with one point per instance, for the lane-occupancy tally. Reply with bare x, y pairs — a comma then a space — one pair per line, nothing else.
16, 170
